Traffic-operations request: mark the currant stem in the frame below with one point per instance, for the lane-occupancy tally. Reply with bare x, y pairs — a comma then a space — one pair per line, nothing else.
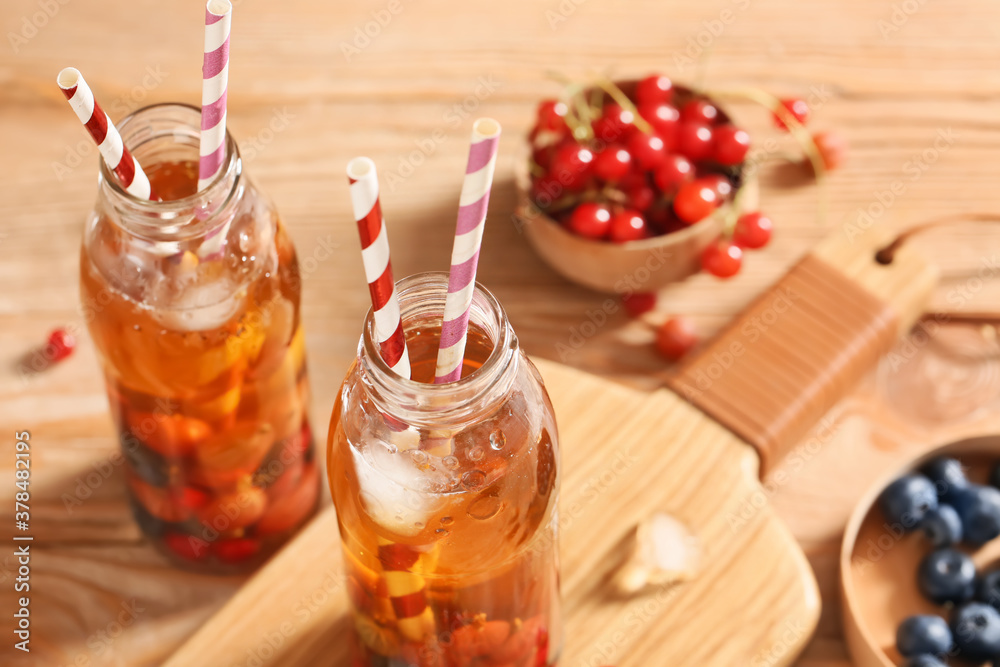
625, 103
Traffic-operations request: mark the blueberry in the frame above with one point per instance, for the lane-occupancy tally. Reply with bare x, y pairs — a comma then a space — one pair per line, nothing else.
906, 500
942, 526
947, 575
924, 661
995, 476
988, 588
979, 508
925, 634
976, 629
947, 476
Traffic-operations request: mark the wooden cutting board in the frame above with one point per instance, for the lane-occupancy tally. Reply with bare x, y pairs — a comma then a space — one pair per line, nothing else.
626, 455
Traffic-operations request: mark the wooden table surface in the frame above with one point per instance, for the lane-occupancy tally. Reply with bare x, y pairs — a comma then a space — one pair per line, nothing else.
913, 84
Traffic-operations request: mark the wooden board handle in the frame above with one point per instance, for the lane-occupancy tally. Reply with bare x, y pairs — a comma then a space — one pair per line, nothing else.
803, 345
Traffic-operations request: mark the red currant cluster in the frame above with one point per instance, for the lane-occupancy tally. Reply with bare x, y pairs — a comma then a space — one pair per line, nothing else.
624, 166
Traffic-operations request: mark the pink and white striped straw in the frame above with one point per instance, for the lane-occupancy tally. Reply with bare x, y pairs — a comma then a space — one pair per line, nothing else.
473, 203
389, 333
118, 158
215, 83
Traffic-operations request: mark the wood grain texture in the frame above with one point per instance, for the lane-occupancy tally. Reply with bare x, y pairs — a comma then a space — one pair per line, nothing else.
300, 110
614, 442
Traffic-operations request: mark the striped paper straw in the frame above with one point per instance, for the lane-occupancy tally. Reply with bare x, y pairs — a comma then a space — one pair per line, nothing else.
215, 82
465, 253
378, 269
118, 158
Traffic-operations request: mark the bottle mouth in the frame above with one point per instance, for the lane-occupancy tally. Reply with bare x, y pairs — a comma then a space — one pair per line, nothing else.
421, 301
171, 132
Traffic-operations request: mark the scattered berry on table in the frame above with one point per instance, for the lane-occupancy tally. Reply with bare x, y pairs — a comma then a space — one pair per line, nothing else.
752, 231
798, 108
947, 575
947, 475
907, 500
676, 337
976, 629
722, 259
60, 345
832, 148
923, 635
942, 526
979, 508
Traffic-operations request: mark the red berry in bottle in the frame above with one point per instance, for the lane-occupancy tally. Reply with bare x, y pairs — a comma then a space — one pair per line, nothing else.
590, 220
699, 111
615, 123
639, 303
675, 338
552, 115
571, 165
628, 225
722, 259
654, 90
60, 345
612, 164
731, 145
753, 230
832, 149
235, 550
798, 109
696, 200
188, 547
674, 172
648, 150
664, 119
694, 141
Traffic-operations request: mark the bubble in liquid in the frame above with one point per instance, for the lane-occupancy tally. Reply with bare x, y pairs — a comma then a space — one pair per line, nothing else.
419, 457
420, 525
473, 479
393, 449
476, 454
136, 327
497, 440
484, 507
443, 532
447, 521
451, 462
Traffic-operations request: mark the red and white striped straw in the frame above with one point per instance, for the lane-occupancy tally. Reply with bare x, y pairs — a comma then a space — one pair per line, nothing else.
118, 158
363, 178
215, 83
465, 253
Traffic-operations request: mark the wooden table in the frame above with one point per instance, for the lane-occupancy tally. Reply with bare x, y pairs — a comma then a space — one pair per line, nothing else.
913, 85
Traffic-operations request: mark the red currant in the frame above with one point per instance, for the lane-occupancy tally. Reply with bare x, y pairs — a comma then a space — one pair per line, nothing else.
552, 115
699, 111
753, 230
641, 195
731, 145
694, 141
571, 165
188, 547
663, 118
612, 164
628, 225
832, 149
674, 172
722, 259
614, 124
236, 550
663, 220
648, 150
722, 186
799, 110
639, 303
61, 344
675, 338
590, 220
695, 201
545, 190
654, 90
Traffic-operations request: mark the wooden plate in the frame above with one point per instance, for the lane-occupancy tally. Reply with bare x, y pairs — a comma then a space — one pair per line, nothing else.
879, 565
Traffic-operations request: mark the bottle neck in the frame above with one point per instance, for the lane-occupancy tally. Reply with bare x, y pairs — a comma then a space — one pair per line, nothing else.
166, 137
453, 404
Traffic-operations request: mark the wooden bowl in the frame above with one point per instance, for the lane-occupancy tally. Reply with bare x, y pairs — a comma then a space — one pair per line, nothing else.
878, 568
605, 266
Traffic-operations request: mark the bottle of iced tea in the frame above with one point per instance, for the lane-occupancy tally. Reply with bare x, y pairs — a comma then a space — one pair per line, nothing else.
446, 496
193, 304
